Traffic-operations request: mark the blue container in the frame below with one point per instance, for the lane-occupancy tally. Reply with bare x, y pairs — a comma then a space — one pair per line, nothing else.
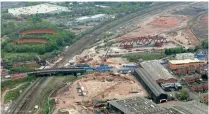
88, 68
131, 67
201, 57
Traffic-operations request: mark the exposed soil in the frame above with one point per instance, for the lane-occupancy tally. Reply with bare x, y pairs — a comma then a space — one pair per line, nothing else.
192, 38
166, 22
98, 87
205, 19
31, 41
38, 32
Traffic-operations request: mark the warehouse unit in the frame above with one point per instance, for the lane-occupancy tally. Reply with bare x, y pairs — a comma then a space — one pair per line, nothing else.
98, 17
37, 9
158, 72
157, 94
136, 105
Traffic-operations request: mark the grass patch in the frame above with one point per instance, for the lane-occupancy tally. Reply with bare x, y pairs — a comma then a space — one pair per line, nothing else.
151, 56
13, 55
13, 83
14, 94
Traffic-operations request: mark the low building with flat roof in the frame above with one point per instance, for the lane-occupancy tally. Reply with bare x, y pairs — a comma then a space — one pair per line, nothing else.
188, 65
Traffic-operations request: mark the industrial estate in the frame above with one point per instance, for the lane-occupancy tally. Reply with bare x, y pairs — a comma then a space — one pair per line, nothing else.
104, 57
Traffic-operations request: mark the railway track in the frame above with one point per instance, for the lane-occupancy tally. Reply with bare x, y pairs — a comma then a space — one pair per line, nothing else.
28, 97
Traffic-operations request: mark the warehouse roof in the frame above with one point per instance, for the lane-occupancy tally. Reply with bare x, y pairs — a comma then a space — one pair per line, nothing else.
82, 18
156, 70
138, 105
156, 89
41, 8
184, 61
98, 15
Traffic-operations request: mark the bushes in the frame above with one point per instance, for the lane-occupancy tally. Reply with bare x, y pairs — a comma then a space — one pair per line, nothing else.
183, 95
175, 50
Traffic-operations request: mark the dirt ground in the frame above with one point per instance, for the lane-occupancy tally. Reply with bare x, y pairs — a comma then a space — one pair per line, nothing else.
98, 87
205, 19
166, 22
192, 38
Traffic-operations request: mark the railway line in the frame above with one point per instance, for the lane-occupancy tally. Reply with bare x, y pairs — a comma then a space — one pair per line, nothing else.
21, 105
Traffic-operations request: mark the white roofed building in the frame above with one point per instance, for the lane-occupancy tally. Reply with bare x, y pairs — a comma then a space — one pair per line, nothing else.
37, 9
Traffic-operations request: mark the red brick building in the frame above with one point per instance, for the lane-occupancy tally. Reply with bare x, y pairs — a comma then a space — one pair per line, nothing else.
187, 66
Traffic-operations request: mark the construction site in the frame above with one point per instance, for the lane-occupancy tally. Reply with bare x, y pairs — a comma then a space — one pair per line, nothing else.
82, 94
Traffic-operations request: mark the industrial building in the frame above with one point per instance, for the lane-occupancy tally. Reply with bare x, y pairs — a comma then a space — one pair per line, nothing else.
187, 66
183, 56
136, 105
37, 9
94, 18
157, 94
190, 107
158, 72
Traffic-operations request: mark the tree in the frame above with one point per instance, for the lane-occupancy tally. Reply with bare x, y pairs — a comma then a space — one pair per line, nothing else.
35, 19
10, 48
183, 95
204, 44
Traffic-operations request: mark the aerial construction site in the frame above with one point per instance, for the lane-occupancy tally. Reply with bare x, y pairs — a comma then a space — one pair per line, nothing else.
147, 60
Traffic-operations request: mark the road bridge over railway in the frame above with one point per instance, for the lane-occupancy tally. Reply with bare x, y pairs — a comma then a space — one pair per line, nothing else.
58, 71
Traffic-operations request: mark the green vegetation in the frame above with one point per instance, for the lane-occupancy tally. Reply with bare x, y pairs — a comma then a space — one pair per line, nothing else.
7, 16
14, 94
13, 83
183, 95
151, 56
16, 56
13, 53
22, 69
204, 44
175, 50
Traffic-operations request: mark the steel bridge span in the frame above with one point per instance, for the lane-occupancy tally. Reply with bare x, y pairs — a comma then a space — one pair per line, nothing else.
58, 71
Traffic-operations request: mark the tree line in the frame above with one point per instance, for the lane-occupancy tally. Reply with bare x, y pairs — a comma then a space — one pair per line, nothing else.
204, 45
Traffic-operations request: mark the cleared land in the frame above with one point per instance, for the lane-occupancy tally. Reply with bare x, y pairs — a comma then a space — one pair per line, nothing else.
97, 87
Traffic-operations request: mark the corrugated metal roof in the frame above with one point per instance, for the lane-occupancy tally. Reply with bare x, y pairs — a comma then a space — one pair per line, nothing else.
156, 70
156, 89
